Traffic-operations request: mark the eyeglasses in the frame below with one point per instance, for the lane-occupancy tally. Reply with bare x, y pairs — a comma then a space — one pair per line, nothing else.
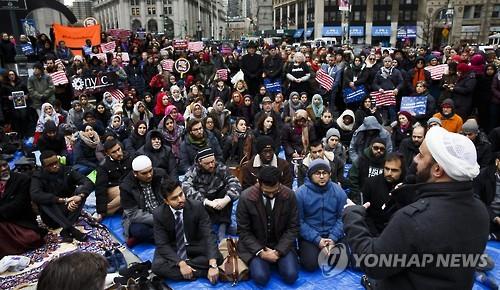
321, 173
378, 148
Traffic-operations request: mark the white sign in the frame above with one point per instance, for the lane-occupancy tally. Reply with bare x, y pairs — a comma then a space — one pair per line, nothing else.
471, 28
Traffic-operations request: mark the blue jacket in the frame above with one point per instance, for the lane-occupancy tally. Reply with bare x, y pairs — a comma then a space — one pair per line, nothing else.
320, 211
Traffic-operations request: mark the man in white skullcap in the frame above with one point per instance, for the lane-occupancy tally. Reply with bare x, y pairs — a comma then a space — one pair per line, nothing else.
443, 220
140, 194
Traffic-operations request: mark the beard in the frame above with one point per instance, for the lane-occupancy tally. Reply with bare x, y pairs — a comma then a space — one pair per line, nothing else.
424, 175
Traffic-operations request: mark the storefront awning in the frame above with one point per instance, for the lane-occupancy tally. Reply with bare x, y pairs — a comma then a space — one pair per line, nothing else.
381, 31
298, 33
309, 32
332, 31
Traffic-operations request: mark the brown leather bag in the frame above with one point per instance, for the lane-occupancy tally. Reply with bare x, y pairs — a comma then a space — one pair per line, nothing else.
236, 171
232, 269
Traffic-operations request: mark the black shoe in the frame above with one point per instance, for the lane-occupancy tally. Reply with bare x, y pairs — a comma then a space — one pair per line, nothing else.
136, 270
158, 284
66, 236
121, 263
111, 262
79, 236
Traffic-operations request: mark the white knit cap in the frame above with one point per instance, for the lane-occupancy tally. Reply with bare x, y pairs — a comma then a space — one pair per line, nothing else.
141, 162
454, 152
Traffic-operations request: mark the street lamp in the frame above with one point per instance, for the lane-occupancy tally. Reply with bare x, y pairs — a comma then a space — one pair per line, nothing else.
449, 20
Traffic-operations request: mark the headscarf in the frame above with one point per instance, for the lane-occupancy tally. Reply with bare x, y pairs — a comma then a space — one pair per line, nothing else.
159, 107
91, 141
318, 110
44, 117
169, 110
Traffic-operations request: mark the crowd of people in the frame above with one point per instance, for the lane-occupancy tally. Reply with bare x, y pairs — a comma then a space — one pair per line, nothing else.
220, 127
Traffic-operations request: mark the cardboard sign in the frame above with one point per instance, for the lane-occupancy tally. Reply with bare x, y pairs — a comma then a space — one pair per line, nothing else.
180, 44
19, 100
182, 65
75, 36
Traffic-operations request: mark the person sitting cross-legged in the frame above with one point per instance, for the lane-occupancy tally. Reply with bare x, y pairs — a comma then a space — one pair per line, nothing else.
185, 244
60, 193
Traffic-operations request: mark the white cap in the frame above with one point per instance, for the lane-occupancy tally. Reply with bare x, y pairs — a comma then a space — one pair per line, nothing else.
141, 162
454, 152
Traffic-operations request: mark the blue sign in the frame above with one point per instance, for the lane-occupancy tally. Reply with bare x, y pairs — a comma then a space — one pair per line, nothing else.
309, 32
29, 27
416, 106
329, 31
357, 31
381, 31
298, 33
407, 32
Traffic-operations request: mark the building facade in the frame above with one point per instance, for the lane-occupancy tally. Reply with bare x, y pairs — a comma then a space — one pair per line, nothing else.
82, 9
390, 23
174, 18
460, 21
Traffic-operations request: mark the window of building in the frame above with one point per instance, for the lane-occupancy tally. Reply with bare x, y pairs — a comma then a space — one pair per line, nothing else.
135, 11
477, 11
357, 16
134, 2
151, 11
496, 11
468, 11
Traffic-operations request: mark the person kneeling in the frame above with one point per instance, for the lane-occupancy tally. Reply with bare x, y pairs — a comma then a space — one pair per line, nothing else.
320, 203
185, 244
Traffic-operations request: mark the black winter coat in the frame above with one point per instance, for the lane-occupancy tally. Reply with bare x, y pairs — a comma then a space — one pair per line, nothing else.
437, 222
463, 94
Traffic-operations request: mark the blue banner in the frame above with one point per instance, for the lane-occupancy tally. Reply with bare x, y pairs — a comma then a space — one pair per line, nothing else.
357, 30
416, 106
298, 33
329, 31
381, 31
353, 96
309, 32
272, 87
407, 32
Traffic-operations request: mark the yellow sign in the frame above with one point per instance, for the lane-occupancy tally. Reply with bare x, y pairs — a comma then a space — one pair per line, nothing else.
445, 32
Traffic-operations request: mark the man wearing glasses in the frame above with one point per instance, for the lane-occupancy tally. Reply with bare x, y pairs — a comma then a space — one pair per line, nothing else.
370, 163
320, 203
268, 226
197, 138
60, 194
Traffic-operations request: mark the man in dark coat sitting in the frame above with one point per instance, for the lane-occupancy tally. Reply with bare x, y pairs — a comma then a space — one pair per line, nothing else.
268, 226
185, 244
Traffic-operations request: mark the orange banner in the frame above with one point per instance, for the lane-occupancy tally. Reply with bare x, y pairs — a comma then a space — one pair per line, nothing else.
75, 36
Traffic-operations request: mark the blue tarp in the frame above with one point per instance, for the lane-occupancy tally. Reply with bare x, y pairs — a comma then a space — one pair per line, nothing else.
348, 279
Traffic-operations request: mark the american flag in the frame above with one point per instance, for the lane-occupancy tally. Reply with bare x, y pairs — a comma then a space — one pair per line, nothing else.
437, 71
59, 78
167, 64
324, 80
387, 98
195, 46
57, 62
108, 47
117, 94
221, 74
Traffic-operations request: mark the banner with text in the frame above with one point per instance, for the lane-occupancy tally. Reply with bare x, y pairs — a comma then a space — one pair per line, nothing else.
75, 36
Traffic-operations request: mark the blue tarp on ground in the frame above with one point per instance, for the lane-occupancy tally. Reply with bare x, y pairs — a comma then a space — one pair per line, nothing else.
346, 280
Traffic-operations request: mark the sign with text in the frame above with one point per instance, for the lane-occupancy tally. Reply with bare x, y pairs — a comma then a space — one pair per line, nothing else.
13, 5
416, 106
75, 36
93, 84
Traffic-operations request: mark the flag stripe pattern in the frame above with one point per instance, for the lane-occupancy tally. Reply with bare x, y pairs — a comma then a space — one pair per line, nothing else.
57, 62
108, 47
59, 78
387, 98
437, 71
117, 94
324, 80
195, 46
221, 74
167, 64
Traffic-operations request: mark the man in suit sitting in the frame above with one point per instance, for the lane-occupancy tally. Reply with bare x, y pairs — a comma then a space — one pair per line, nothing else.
185, 244
268, 225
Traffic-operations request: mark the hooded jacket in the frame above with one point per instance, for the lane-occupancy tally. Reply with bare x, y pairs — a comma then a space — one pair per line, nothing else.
362, 137
367, 166
320, 211
346, 131
453, 122
162, 158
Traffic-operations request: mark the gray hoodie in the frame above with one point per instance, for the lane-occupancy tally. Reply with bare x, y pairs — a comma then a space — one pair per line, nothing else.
362, 137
